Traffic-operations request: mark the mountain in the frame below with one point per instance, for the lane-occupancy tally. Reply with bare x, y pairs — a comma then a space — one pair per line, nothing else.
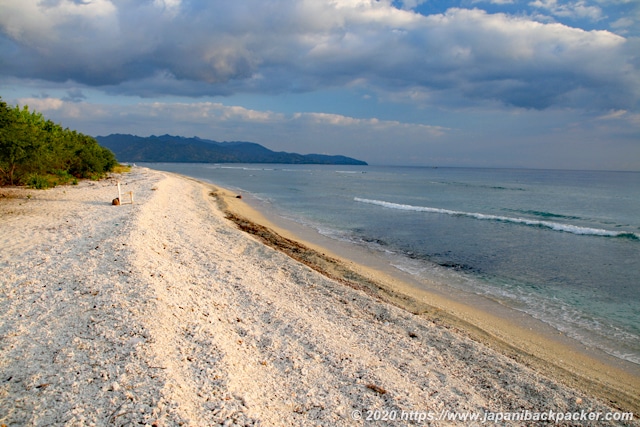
178, 149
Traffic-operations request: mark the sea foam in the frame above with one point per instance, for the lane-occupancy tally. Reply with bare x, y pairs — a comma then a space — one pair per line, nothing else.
556, 226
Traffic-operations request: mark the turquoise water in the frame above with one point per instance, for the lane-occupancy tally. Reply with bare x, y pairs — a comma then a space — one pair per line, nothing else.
562, 246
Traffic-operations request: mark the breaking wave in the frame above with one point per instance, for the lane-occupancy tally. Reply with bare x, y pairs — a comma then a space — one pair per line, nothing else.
556, 226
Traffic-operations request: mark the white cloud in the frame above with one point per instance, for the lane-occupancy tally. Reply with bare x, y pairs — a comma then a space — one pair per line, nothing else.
213, 114
206, 112
499, 2
624, 24
633, 119
171, 6
577, 9
612, 115
39, 22
373, 123
42, 105
412, 4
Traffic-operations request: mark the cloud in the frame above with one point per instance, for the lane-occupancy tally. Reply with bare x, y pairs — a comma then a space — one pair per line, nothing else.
612, 115
207, 48
528, 138
298, 132
625, 24
500, 2
575, 10
371, 124
74, 95
411, 4
632, 119
214, 116
42, 104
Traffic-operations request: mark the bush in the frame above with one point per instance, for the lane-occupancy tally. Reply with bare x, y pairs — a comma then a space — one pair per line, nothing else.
39, 182
64, 177
32, 148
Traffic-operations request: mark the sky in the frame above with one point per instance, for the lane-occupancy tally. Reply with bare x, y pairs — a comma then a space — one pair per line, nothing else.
473, 83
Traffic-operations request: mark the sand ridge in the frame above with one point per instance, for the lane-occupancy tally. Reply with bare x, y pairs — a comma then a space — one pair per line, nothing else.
165, 313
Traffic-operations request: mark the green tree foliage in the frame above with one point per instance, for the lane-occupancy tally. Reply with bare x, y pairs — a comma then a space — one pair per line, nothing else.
32, 148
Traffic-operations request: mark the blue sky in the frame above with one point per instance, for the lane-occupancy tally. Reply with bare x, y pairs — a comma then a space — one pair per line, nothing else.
497, 83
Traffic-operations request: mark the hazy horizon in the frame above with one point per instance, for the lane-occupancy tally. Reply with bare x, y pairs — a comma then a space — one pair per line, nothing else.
382, 164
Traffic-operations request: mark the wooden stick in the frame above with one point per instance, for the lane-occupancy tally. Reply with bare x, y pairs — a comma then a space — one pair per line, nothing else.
130, 193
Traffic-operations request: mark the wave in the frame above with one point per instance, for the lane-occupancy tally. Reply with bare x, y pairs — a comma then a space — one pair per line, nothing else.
244, 168
543, 214
556, 226
469, 185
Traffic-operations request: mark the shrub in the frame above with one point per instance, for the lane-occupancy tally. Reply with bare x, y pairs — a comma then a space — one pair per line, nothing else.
32, 148
39, 182
64, 177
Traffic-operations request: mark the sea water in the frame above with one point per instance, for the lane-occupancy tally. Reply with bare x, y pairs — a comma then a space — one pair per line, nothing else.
562, 246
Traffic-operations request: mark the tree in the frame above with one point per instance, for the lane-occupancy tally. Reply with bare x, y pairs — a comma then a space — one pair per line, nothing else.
17, 142
32, 146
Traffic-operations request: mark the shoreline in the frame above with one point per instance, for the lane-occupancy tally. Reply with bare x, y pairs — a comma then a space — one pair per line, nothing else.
165, 313
528, 341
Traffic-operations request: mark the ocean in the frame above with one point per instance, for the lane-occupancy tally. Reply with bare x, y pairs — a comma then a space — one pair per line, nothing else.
562, 246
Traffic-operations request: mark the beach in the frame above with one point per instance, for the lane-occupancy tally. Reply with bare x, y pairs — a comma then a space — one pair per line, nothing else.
188, 308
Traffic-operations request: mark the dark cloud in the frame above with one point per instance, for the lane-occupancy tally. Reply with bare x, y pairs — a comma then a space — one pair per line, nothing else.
200, 48
74, 95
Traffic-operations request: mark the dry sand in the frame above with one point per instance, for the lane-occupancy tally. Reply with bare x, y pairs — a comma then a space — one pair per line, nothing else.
165, 313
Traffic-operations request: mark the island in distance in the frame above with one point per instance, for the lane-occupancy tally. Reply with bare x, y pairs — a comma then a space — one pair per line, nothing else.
178, 149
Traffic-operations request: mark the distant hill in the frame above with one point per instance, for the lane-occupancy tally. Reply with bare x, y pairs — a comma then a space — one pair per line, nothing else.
168, 148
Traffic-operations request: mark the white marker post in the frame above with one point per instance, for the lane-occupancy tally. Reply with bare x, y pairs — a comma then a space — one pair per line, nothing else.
130, 193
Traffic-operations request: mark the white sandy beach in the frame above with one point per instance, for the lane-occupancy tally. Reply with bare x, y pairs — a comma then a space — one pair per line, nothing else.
164, 313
